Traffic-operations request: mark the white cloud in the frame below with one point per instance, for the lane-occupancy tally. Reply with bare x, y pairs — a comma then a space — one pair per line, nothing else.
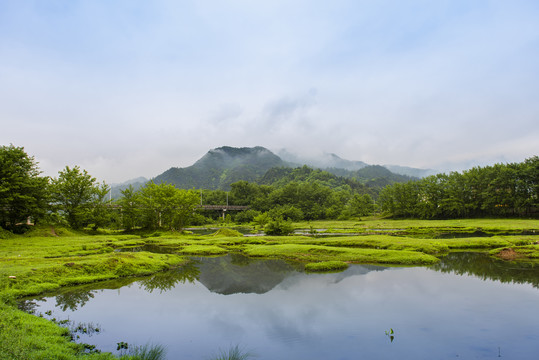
132, 88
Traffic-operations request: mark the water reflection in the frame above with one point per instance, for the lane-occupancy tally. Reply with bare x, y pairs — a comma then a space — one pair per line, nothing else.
167, 280
486, 267
75, 297
235, 273
275, 310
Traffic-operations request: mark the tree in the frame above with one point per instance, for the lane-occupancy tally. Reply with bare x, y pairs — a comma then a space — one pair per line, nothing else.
101, 214
23, 193
164, 205
278, 227
361, 205
501, 189
130, 208
76, 194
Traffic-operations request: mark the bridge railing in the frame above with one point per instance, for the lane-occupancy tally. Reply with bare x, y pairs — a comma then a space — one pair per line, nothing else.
223, 207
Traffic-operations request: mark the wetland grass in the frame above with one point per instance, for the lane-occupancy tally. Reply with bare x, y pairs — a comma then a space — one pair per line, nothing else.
46, 259
234, 353
315, 253
326, 266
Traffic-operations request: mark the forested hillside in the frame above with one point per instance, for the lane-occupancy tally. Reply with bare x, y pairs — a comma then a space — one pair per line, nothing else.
499, 190
77, 199
221, 167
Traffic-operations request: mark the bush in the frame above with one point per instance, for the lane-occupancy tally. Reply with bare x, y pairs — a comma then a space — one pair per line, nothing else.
287, 213
247, 216
198, 219
278, 226
5, 234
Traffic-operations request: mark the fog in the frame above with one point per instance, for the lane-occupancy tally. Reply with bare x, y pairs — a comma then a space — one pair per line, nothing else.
132, 88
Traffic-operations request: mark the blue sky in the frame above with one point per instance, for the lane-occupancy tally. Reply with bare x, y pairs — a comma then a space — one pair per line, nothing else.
131, 88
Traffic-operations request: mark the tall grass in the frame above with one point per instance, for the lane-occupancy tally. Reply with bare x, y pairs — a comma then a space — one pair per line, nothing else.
234, 353
146, 352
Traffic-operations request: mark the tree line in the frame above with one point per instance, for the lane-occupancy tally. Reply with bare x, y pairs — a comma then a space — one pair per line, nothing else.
77, 199
499, 190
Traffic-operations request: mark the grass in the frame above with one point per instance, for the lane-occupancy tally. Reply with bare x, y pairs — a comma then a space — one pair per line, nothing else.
37, 263
326, 266
48, 259
146, 352
24, 336
313, 253
203, 250
234, 353
490, 226
374, 242
518, 253
227, 233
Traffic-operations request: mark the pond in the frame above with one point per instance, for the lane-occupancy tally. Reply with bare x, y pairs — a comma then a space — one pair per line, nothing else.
469, 306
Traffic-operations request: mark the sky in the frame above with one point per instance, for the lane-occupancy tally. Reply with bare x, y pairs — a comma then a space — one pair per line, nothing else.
130, 88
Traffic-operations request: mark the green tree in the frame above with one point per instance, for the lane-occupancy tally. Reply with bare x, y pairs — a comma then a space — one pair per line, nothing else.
130, 208
79, 198
166, 206
361, 205
278, 227
23, 193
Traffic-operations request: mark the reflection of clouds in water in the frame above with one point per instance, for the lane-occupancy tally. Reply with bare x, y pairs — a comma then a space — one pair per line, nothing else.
325, 316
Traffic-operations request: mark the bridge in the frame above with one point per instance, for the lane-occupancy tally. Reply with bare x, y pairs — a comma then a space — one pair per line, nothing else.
223, 208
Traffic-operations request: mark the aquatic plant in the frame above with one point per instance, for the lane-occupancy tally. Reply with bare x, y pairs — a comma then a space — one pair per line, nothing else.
390, 334
146, 352
234, 353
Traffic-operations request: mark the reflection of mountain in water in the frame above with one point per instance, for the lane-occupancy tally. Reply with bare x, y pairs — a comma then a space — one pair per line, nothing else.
486, 267
233, 274
356, 270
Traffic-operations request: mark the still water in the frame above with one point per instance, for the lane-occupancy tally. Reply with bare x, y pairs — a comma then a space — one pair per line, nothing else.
467, 307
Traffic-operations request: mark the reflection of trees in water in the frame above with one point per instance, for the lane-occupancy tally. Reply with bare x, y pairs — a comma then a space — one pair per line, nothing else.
167, 280
240, 260
29, 306
486, 267
71, 300
73, 297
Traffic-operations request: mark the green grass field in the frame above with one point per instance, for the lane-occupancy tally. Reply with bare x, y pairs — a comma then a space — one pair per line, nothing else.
47, 259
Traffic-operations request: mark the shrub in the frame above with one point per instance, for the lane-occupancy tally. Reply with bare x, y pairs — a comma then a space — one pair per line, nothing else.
278, 226
247, 216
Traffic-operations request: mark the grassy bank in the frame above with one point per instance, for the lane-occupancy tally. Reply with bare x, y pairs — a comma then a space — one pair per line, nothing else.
31, 265
47, 259
424, 227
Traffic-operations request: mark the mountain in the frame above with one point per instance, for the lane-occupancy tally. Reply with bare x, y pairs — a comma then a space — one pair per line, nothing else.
323, 161
408, 171
137, 183
221, 167
330, 162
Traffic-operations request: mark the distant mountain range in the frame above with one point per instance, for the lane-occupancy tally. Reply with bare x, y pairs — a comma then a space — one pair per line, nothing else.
324, 161
223, 166
331, 161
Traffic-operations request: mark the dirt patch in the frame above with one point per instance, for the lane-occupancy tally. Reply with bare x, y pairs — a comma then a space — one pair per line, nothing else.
508, 254
53, 232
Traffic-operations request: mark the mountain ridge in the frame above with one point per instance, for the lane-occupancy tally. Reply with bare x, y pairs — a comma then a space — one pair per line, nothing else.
225, 165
